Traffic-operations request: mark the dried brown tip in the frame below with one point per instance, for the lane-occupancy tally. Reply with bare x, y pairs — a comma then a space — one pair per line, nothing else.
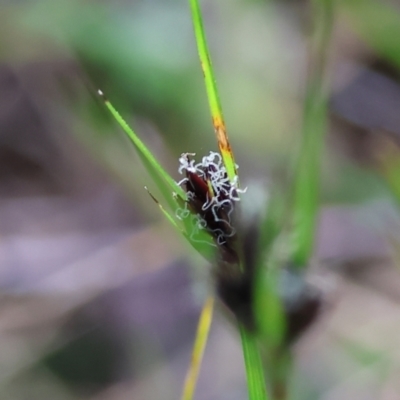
154, 199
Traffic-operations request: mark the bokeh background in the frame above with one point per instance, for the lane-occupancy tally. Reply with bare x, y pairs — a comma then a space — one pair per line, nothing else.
99, 296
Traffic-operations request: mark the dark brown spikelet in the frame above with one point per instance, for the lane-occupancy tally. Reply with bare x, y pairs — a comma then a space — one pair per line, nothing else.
213, 199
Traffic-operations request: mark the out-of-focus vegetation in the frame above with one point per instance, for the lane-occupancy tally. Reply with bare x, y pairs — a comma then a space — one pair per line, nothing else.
97, 302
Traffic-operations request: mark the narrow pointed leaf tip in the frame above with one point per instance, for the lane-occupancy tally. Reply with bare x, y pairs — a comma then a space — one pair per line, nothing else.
163, 180
212, 92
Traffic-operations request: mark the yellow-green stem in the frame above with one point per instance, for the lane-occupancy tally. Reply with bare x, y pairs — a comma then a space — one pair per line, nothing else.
212, 92
254, 368
203, 330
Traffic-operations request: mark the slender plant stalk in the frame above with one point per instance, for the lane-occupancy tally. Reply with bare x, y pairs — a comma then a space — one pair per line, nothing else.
306, 185
203, 330
280, 364
212, 92
254, 368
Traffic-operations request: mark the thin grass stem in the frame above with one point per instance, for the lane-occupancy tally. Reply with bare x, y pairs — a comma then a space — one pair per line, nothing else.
254, 368
212, 92
307, 176
203, 330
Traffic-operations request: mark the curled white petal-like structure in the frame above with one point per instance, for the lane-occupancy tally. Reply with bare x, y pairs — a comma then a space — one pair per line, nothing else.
210, 195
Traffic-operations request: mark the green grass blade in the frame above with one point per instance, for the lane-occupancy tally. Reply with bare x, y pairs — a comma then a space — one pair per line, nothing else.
268, 307
167, 215
271, 225
202, 243
203, 330
306, 192
306, 184
212, 92
254, 368
162, 179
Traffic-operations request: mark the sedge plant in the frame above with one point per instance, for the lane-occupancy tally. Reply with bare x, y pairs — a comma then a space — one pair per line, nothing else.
205, 207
